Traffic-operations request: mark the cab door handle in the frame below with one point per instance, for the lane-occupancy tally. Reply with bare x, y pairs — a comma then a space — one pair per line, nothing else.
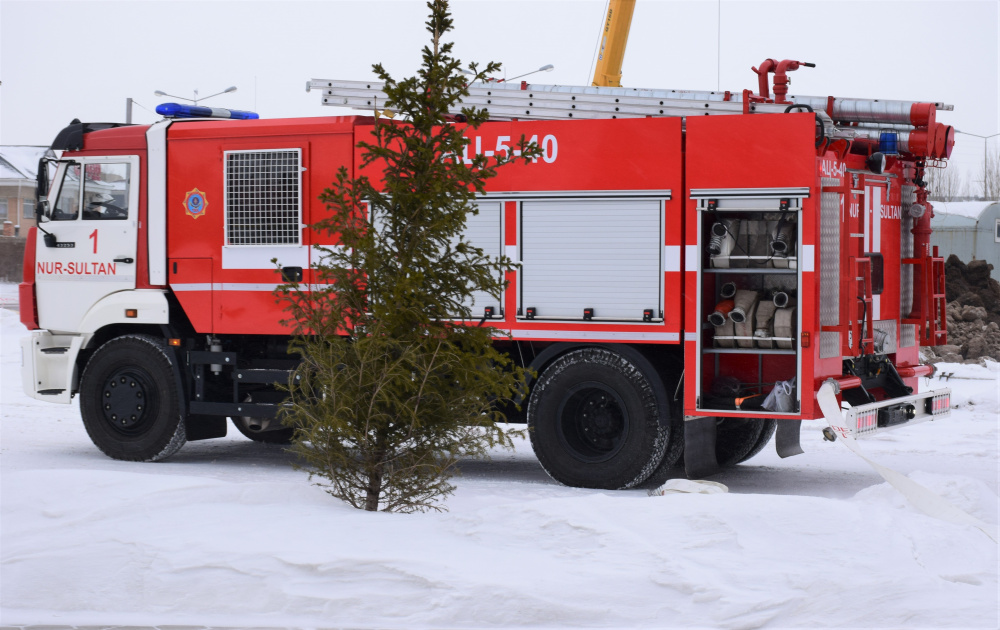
124, 260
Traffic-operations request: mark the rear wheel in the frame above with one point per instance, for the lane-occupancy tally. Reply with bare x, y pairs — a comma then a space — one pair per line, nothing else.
594, 419
736, 439
766, 433
129, 401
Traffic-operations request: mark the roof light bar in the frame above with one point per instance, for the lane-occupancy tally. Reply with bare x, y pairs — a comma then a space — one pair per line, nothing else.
175, 110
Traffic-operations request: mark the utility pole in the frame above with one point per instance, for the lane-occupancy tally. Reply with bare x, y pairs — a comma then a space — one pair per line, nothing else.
986, 142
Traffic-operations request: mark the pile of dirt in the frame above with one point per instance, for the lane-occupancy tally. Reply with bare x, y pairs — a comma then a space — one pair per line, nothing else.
973, 314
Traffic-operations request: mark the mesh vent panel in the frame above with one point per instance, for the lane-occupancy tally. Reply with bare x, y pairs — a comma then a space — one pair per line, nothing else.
263, 200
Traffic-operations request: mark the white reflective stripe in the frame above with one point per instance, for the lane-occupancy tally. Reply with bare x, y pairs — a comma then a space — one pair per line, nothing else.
920, 497
593, 335
579, 194
243, 286
260, 257
867, 230
237, 286
764, 193
691, 257
807, 257
156, 204
672, 257
510, 251
876, 243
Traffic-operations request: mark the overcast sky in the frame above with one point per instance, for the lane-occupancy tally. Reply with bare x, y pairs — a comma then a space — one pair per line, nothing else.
83, 59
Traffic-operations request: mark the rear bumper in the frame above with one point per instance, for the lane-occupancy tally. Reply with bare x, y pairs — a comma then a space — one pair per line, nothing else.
885, 415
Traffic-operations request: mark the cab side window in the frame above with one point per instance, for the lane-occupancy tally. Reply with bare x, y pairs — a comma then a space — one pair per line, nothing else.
105, 191
68, 205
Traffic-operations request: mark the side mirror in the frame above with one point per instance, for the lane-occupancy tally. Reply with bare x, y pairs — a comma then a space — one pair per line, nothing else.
42, 187
42, 210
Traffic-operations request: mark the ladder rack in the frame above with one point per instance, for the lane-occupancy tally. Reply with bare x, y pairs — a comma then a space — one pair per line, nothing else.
525, 101
505, 101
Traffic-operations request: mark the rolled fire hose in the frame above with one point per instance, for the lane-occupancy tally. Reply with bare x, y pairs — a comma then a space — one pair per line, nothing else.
784, 326
718, 316
722, 241
781, 299
783, 245
758, 247
920, 497
728, 290
742, 316
764, 324
723, 326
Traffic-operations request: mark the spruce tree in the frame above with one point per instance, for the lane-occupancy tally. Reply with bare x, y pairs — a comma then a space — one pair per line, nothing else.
391, 390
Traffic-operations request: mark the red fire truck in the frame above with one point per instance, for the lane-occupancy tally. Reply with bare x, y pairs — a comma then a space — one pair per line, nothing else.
691, 268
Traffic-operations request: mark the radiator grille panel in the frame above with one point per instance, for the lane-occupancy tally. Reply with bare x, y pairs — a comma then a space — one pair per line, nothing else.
263, 197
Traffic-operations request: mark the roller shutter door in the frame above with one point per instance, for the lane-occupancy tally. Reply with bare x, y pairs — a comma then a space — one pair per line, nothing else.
599, 254
484, 231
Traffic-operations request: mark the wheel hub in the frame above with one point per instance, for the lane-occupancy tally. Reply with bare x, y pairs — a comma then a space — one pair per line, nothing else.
125, 400
593, 422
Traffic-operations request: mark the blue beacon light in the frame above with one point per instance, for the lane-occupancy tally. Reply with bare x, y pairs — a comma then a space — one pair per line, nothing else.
888, 142
175, 110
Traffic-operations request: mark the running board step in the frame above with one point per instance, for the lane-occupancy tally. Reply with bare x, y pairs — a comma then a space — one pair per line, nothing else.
50, 392
55, 351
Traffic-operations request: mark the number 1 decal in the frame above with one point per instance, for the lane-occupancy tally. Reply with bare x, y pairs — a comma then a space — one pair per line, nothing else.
93, 235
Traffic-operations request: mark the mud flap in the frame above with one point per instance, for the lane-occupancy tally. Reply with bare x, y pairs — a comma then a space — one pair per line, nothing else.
786, 439
699, 447
200, 427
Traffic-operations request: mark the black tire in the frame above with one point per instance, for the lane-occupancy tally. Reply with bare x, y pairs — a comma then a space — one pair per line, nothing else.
766, 433
673, 458
279, 436
129, 401
736, 438
594, 419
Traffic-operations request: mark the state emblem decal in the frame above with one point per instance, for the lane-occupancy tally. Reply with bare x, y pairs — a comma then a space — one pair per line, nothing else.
195, 203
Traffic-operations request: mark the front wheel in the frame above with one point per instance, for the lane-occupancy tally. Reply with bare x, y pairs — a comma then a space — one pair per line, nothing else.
599, 419
129, 401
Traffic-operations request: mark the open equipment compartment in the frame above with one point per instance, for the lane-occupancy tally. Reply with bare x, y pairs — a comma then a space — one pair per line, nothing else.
748, 282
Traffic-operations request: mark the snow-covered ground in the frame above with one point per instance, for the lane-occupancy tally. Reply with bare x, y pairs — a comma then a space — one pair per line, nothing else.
226, 533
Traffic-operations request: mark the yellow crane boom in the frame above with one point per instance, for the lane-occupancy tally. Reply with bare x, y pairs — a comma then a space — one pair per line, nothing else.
608, 71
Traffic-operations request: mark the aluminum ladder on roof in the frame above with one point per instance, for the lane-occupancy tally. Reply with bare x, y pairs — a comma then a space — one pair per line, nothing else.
506, 101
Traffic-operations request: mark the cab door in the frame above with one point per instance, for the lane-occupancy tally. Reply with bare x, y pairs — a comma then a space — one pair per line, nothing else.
90, 252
